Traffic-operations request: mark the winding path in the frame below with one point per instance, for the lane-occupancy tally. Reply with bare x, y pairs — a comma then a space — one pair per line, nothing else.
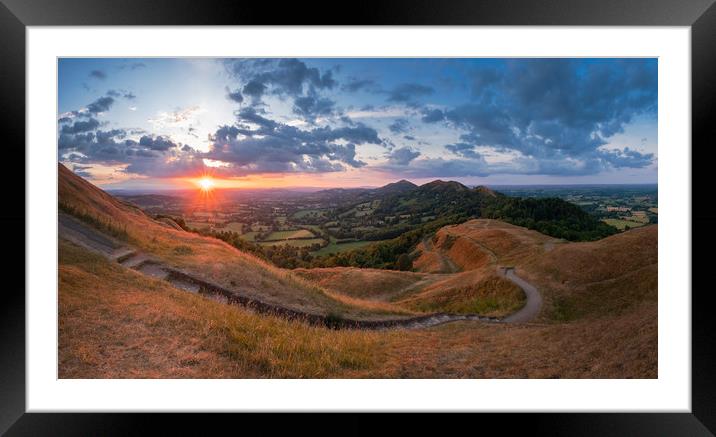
534, 299
83, 235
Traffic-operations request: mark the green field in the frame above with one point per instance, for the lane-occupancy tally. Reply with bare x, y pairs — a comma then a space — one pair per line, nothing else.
309, 213
198, 225
338, 248
234, 227
622, 224
249, 236
295, 243
292, 234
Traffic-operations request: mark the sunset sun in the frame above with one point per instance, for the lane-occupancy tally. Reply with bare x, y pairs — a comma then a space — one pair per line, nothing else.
206, 183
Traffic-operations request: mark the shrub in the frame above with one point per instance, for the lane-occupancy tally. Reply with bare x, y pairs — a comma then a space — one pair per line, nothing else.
183, 250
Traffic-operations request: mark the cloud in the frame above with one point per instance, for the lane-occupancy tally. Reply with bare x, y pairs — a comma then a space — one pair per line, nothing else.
463, 149
154, 156
555, 109
116, 94
280, 76
160, 143
360, 84
80, 126
408, 92
132, 66
310, 107
254, 89
98, 74
286, 78
432, 115
626, 158
276, 147
399, 126
178, 117
235, 95
402, 156
437, 168
100, 105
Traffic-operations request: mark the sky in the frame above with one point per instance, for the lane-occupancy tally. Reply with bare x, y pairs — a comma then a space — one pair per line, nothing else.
162, 123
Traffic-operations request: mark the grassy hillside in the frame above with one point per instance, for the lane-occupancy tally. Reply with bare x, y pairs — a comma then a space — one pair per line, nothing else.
205, 256
577, 280
599, 317
451, 203
115, 323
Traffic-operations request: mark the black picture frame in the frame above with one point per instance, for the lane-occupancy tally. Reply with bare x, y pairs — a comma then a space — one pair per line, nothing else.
16, 15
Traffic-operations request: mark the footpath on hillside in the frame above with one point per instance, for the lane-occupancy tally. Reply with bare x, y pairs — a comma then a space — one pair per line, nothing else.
81, 234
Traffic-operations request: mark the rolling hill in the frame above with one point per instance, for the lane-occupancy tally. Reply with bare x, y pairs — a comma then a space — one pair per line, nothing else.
118, 320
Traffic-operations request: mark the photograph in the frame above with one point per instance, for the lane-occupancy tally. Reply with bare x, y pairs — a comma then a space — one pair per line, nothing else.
357, 217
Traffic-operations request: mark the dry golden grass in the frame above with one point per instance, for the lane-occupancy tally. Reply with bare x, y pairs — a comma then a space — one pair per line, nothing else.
116, 323
490, 296
598, 278
622, 346
428, 261
577, 280
362, 283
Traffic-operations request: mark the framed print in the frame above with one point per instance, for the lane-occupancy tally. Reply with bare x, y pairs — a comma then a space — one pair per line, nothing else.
389, 215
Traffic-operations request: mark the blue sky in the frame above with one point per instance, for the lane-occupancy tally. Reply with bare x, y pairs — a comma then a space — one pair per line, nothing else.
331, 122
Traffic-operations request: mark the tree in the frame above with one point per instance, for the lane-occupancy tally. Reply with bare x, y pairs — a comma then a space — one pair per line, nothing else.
404, 263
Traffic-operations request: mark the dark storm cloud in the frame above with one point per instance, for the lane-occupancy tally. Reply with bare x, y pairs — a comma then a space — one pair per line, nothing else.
277, 147
235, 95
100, 105
80, 126
160, 143
98, 74
280, 76
310, 107
286, 78
254, 89
408, 92
555, 109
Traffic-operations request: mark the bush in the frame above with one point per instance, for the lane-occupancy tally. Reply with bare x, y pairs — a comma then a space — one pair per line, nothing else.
183, 250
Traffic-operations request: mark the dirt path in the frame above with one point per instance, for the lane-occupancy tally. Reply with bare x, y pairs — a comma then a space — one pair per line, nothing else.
84, 235
448, 266
534, 299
